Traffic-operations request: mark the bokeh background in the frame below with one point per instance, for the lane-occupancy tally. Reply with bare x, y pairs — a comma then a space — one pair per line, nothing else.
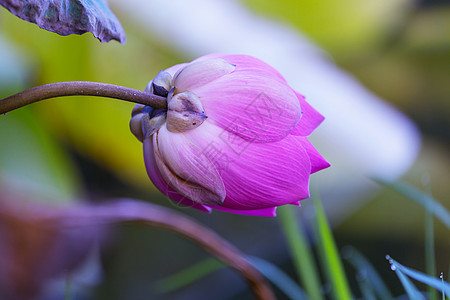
378, 70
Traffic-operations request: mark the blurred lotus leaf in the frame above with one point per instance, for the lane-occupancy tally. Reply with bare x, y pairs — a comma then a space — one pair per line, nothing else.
69, 17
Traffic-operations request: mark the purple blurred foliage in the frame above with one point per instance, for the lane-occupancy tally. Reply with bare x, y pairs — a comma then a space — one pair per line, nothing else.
36, 247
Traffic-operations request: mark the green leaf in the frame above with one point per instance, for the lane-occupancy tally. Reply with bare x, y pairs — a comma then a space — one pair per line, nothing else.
210, 265
301, 253
69, 17
332, 264
188, 275
422, 198
367, 273
442, 286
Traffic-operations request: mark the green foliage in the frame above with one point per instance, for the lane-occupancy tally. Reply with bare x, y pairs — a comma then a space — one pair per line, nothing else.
329, 255
300, 251
188, 275
31, 158
210, 265
368, 279
371, 285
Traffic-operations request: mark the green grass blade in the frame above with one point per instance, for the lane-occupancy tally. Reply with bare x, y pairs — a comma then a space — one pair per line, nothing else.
366, 269
210, 265
330, 256
278, 278
422, 198
301, 253
188, 275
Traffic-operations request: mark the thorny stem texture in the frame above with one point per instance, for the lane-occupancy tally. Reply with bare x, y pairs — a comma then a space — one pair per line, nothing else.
129, 211
79, 88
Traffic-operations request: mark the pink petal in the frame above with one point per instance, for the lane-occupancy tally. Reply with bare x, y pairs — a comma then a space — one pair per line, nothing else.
181, 165
268, 175
173, 69
160, 184
255, 175
247, 61
188, 203
257, 108
311, 118
264, 212
199, 73
317, 161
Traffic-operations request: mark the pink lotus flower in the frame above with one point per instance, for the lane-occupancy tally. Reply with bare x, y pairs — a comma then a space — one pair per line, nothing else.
233, 138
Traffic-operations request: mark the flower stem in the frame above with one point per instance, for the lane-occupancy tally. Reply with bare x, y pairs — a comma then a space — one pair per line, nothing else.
79, 88
126, 211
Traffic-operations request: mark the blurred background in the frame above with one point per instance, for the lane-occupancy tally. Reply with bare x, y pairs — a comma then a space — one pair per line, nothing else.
378, 70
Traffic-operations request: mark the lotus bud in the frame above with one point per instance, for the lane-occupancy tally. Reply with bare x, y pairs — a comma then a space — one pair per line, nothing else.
251, 154
185, 112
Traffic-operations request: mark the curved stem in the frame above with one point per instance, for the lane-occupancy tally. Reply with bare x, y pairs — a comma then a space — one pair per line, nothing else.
155, 215
79, 88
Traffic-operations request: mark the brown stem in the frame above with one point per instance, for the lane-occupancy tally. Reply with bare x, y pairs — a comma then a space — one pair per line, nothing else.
79, 88
155, 215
